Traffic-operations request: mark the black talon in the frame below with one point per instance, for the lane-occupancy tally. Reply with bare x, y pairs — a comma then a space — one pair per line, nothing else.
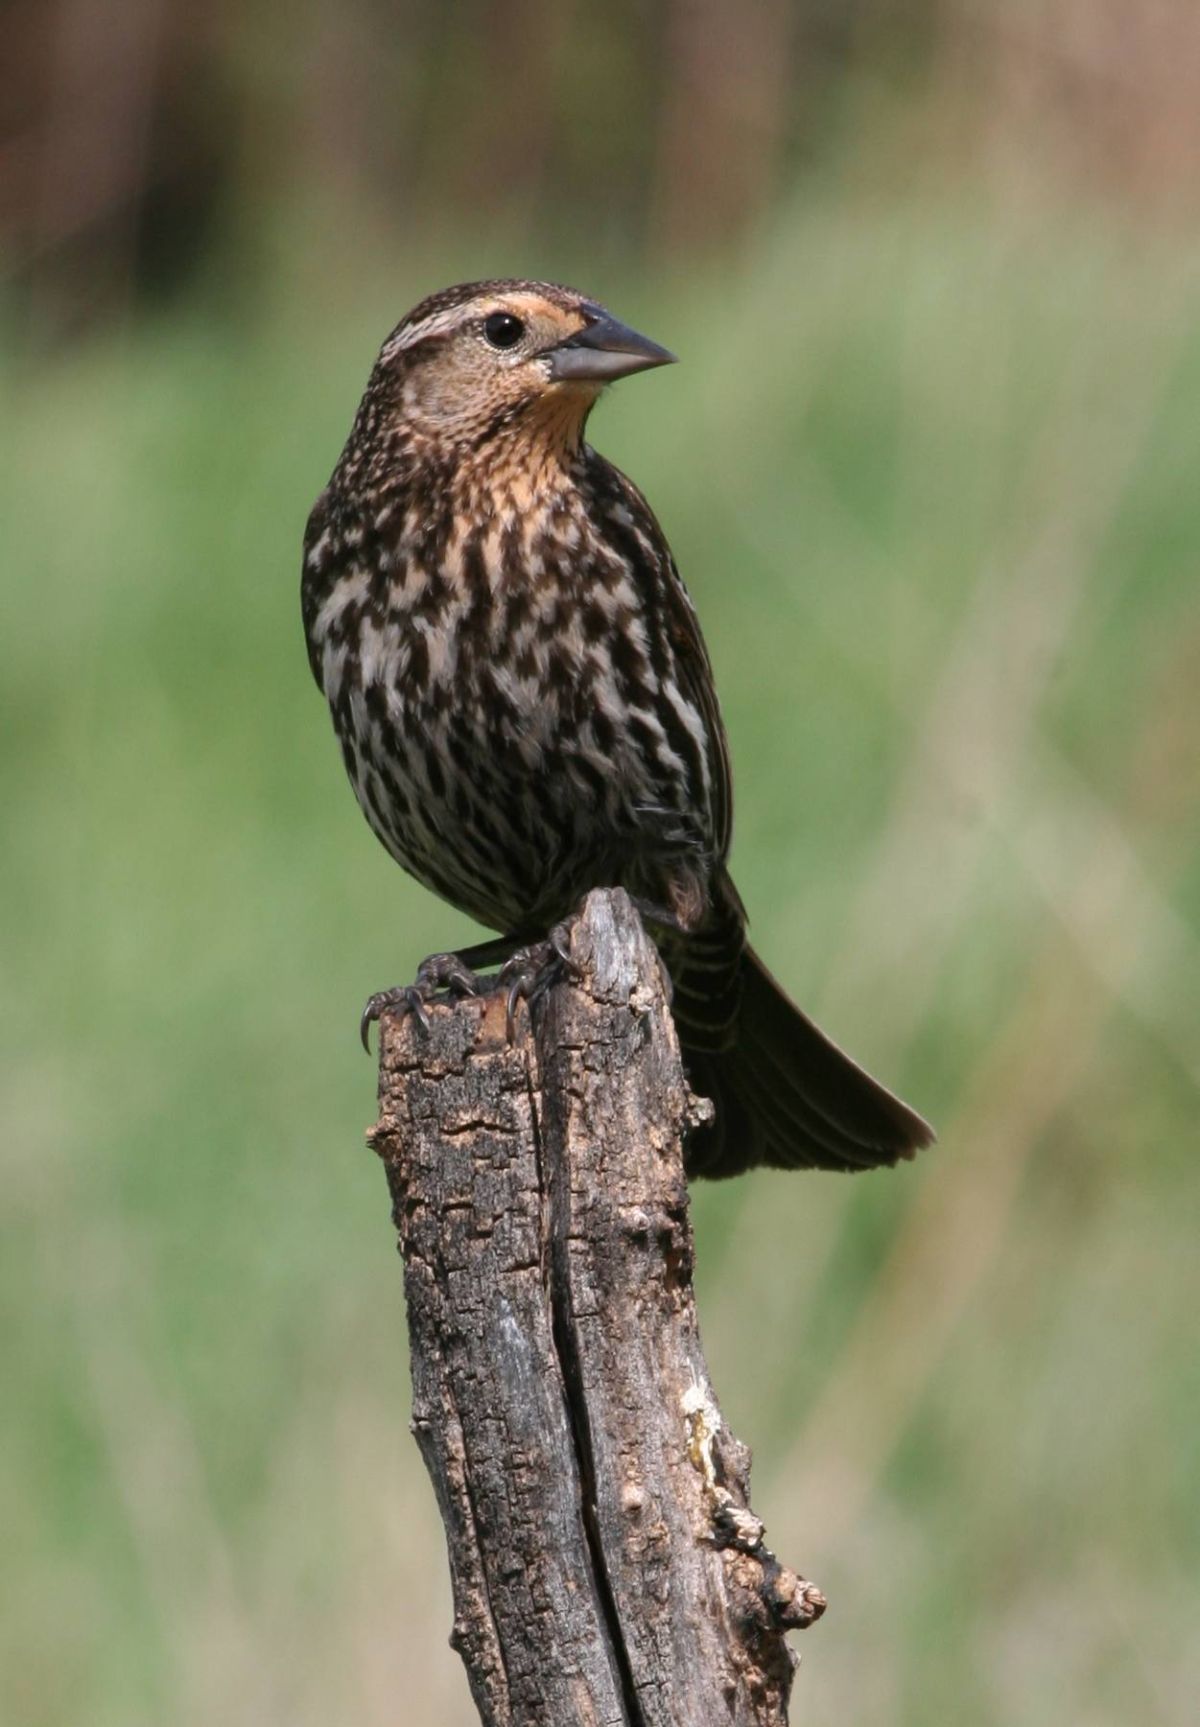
519, 990
445, 971
376, 1005
440, 971
560, 942
533, 970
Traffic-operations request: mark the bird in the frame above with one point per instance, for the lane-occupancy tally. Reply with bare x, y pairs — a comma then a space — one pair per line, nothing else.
526, 707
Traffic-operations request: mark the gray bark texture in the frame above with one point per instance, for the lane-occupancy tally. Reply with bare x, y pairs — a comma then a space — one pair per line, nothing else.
606, 1566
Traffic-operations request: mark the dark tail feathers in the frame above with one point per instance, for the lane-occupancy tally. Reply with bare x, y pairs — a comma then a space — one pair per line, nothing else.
786, 1096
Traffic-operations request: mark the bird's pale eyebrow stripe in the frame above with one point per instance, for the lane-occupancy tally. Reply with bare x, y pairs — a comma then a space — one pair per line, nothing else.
437, 324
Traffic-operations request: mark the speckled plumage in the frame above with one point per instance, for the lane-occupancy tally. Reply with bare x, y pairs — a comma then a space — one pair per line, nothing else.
516, 674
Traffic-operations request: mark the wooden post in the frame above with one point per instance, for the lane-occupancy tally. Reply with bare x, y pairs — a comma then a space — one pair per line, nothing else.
606, 1565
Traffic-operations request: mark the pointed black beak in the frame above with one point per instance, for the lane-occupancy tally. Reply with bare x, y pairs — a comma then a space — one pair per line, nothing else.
604, 350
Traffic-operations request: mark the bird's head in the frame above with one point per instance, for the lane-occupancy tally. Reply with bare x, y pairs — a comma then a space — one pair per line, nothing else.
477, 361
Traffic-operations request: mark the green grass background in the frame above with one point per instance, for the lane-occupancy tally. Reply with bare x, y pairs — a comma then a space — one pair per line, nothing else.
932, 478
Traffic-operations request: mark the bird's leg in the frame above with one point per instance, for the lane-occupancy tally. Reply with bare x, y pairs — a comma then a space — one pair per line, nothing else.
663, 922
530, 971
661, 916
488, 953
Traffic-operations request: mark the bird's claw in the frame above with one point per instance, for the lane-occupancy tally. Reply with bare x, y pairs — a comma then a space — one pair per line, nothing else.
533, 970
406, 996
439, 971
660, 916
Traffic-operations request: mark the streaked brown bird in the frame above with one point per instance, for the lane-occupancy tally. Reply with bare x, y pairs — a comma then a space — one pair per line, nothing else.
526, 707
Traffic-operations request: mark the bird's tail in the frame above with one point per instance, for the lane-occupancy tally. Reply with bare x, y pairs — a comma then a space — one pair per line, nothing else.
785, 1095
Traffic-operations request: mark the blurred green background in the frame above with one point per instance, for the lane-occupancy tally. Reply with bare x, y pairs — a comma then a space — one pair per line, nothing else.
931, 471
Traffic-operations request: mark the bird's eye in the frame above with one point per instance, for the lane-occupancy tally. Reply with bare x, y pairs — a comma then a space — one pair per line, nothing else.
502, 329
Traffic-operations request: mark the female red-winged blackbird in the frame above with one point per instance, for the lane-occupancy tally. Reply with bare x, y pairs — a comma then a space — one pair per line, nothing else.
526, 707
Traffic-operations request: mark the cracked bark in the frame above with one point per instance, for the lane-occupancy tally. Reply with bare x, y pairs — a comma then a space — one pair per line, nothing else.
607, 1568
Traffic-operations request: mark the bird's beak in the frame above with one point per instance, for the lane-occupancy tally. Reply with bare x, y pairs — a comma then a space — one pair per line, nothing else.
604, 350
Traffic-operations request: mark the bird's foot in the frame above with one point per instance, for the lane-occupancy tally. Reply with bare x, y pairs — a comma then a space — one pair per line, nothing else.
440, 971
660, 916
531, 971
662, 923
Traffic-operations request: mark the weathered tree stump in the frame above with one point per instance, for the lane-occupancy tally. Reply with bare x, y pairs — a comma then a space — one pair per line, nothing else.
606, 1565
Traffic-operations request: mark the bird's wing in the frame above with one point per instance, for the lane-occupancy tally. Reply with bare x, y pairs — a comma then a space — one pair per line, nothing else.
695, 669
631, 524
